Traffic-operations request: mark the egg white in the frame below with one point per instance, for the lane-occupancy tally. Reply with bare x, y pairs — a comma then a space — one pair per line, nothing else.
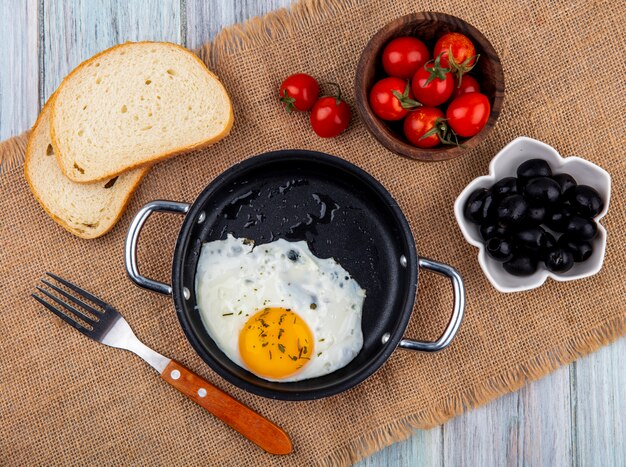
235, 279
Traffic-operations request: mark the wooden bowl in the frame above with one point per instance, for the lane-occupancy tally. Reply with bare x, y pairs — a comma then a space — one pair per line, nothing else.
427, 27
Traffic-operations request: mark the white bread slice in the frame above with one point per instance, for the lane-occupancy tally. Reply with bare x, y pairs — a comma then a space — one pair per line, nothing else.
88, 210
135, 104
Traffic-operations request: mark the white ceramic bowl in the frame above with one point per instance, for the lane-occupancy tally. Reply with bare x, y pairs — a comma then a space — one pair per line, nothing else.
505, 164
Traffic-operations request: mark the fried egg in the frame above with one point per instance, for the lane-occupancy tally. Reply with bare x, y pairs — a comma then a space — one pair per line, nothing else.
277, 310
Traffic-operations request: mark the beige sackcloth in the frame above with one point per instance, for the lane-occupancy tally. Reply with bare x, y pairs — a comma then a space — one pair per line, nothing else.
66, 399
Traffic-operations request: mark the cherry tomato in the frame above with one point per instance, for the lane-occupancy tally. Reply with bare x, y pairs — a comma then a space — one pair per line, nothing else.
330, 116
468, 114
299, 92
432, 85
390, 98
463, 51
403, 56
418, 123
468, 84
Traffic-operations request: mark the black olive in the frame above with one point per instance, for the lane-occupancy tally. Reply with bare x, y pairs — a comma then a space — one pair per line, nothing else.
586, 201
548, 244
512, 210
580, 249
557, 219
532, 239
490, 205
506, 186
565, 181
582, 228
542, 191
488, 231
499, 249
559, 260
521, 265
474, 205
533, 168
521, 183
536, 214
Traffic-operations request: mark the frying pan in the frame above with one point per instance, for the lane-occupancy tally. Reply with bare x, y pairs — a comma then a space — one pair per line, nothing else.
342, 212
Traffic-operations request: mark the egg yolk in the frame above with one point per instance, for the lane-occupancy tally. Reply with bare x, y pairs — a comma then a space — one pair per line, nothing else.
275, 343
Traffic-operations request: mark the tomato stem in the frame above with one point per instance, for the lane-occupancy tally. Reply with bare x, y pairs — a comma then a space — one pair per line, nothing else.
337, 88
405, 101
436, 71
288, 101
459, 69
443, 132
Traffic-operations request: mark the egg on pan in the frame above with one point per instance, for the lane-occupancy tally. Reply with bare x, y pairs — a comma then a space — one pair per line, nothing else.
277, 310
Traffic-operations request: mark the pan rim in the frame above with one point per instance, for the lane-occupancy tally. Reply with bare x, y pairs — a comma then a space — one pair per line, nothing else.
365, 370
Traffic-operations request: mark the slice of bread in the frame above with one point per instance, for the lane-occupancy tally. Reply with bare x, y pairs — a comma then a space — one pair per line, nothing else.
135, 104
88, 210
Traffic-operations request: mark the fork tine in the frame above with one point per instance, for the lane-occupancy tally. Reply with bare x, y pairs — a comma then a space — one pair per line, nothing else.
80, 291
72, 298
67, 306
75, 324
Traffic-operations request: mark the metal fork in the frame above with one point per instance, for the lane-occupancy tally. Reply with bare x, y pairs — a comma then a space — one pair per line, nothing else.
103, 323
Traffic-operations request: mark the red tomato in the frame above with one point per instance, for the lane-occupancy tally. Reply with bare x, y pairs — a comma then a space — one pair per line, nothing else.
330, 116
468, 114
403, 56
420, 122
299, 92
390, 99
432, 85
468, 84
463, 51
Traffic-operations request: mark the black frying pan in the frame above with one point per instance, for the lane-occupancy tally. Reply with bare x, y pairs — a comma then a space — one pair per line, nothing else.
342, 212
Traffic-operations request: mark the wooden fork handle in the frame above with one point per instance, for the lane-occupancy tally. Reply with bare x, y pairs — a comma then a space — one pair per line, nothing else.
241, 418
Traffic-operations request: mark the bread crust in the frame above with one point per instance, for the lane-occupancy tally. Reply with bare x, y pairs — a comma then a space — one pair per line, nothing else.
55, 218
156, 157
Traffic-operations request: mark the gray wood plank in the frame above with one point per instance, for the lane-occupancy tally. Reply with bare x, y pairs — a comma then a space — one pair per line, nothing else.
19, 66
206, 18
486, 436
424, 448
545, 422
599, 397
74, 31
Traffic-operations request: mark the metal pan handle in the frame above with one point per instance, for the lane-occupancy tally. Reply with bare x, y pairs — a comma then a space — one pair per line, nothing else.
457, 309
132, 238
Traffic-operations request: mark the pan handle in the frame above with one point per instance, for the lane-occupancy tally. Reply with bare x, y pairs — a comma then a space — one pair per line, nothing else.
457, 308
132, 238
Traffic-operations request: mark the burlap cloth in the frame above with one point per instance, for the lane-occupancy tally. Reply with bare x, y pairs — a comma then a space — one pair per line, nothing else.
66, 399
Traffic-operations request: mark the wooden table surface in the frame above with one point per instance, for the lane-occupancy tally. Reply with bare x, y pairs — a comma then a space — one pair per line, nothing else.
575, 416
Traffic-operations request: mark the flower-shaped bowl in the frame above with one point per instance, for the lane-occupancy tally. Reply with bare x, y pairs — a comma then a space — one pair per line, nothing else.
505, 164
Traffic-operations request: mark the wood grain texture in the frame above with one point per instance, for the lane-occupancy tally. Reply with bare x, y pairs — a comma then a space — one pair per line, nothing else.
544, 421
486, 436
599, 407
576, 415
19, 66
425, 448
204, 19
239, 417
74, 31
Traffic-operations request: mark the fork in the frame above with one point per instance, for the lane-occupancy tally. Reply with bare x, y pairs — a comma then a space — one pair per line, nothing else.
104, 324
